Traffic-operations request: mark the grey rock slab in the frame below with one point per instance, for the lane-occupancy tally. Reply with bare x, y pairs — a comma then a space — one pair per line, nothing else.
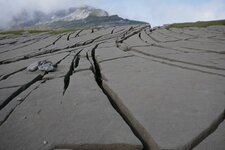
199, 32
202, 59
160, 37
173, 34
107, 54
34, 38
10, 85
135, 41
221, 38
109, 44
218, 29
28, 50
5, 93
199, 60
173, 104
14, 66
173, 100
19, 79
62, 43
214, 141
83, 115
157, 50
119, 29
10, 107
103, 31
85, 32
204, 45
146, 38
215, 39
163, 37
15, 46
64, 65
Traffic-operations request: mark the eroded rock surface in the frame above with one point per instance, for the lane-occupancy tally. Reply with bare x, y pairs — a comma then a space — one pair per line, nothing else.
126, 87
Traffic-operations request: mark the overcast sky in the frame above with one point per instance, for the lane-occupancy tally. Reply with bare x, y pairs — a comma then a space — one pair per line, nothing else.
156, 12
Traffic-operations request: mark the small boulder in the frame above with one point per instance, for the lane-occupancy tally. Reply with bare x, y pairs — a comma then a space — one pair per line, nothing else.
34, 66
42, 66
46, 66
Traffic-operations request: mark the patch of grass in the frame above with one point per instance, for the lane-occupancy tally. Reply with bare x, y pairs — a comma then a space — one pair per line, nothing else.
16, 32
20, 32
34, 31
197, 24
37, 31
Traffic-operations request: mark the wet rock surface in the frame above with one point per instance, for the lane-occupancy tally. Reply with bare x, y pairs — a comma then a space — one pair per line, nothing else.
128, 87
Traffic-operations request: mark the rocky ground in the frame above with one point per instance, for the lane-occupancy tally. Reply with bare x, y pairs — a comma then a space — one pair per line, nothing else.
125, 87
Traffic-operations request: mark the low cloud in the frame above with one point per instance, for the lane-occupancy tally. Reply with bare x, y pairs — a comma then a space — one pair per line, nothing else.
9, 8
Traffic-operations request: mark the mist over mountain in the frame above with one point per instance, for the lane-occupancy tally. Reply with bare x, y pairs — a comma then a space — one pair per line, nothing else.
67, 18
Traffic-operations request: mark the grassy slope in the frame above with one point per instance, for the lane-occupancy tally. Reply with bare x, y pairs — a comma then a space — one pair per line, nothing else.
197, 24
20, 32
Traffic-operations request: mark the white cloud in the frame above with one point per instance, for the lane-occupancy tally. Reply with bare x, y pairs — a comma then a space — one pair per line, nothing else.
211, 10
9, 8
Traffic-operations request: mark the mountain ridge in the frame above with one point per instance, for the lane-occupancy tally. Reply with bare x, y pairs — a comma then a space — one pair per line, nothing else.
85, 16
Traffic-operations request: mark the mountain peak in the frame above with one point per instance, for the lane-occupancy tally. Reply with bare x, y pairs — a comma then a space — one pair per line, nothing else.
74, 16
77, 13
